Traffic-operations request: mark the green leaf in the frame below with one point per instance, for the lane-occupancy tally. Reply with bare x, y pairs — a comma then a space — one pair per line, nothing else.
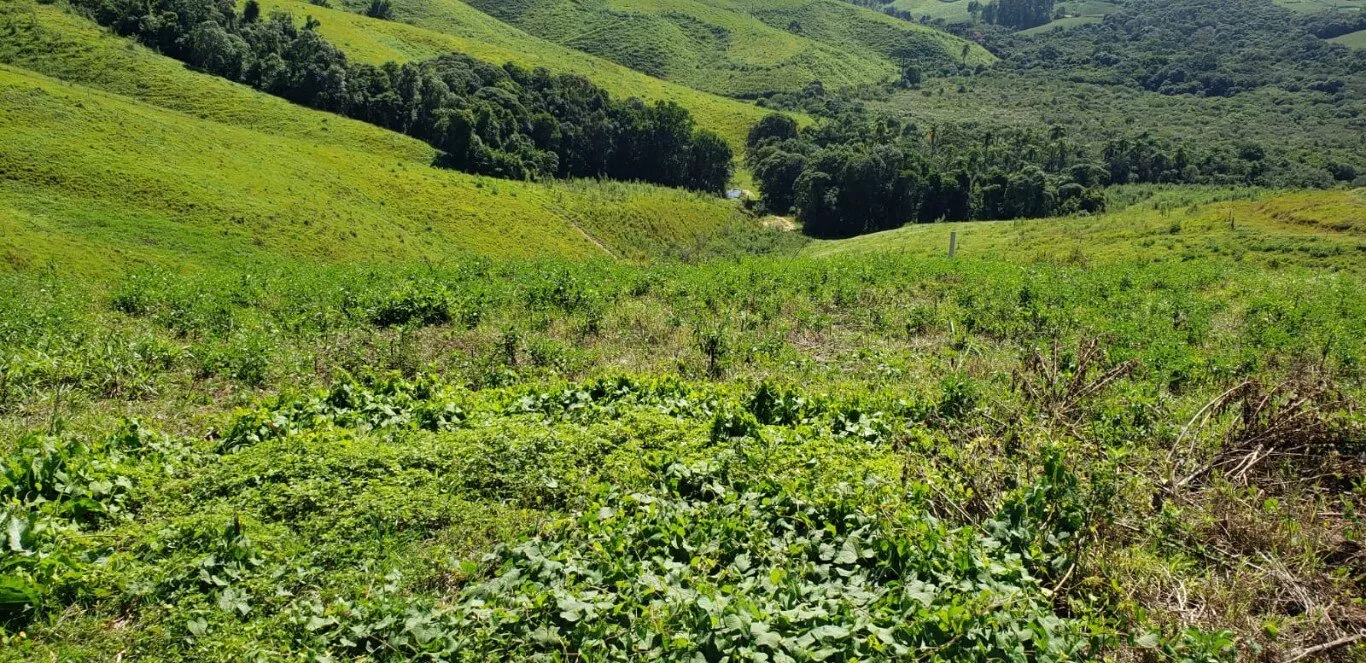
830, 632
17, 594
14, 530
848, 553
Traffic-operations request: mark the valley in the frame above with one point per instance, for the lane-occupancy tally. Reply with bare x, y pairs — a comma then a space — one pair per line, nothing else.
435, 330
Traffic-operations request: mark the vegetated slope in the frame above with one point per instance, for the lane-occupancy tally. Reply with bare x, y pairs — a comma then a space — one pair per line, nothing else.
1322, 229
1070, 112
1323, 5
743, 49
953, 11
1257, 44
956, 11
1090, 113
94, 180
849, 458
1352, 40
47, 40
436, 27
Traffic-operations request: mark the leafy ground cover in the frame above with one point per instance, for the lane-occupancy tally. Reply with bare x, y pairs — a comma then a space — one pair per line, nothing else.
852, 457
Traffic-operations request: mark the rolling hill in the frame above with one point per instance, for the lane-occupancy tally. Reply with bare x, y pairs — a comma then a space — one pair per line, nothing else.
739, 49
112, 155
434, 27
1321, 229
272, 385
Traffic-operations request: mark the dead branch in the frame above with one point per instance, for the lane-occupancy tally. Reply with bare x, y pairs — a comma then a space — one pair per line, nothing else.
1327, 646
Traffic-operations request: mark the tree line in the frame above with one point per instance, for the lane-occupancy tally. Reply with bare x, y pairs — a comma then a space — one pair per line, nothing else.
857, 173
849, 176
1018, 14
502, 121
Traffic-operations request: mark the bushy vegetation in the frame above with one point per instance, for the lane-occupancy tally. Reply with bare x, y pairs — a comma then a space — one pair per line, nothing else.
424, 29
1151, 44
799, 458
506, 122
858, 174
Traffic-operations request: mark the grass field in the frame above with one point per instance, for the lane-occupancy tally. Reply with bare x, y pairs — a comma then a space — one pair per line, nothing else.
739, 49
997, 456
274, 388
951, 10
1077, 12
1322, 230
1353, 40
1323, 5
116, 156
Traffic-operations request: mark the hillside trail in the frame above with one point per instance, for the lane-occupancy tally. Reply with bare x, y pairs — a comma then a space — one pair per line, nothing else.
783, 223
574, 223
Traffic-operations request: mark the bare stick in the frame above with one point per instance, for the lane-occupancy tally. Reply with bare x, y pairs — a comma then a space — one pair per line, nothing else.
1319, 649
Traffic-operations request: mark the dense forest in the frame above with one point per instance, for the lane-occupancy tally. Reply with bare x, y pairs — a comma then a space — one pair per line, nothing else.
906, 153
501, 121
1218, 48
862, 171
860, 175
1016, 13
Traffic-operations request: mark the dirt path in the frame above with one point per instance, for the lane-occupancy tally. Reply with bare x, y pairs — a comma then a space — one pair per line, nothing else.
782, 223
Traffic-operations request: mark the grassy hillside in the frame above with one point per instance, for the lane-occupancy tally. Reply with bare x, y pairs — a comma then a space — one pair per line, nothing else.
433, 27
47, 40
274, 388
128, 157
1352, 40
1321, 229
840, 458
740, 49
1077, 13
1323, 5
956, 11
